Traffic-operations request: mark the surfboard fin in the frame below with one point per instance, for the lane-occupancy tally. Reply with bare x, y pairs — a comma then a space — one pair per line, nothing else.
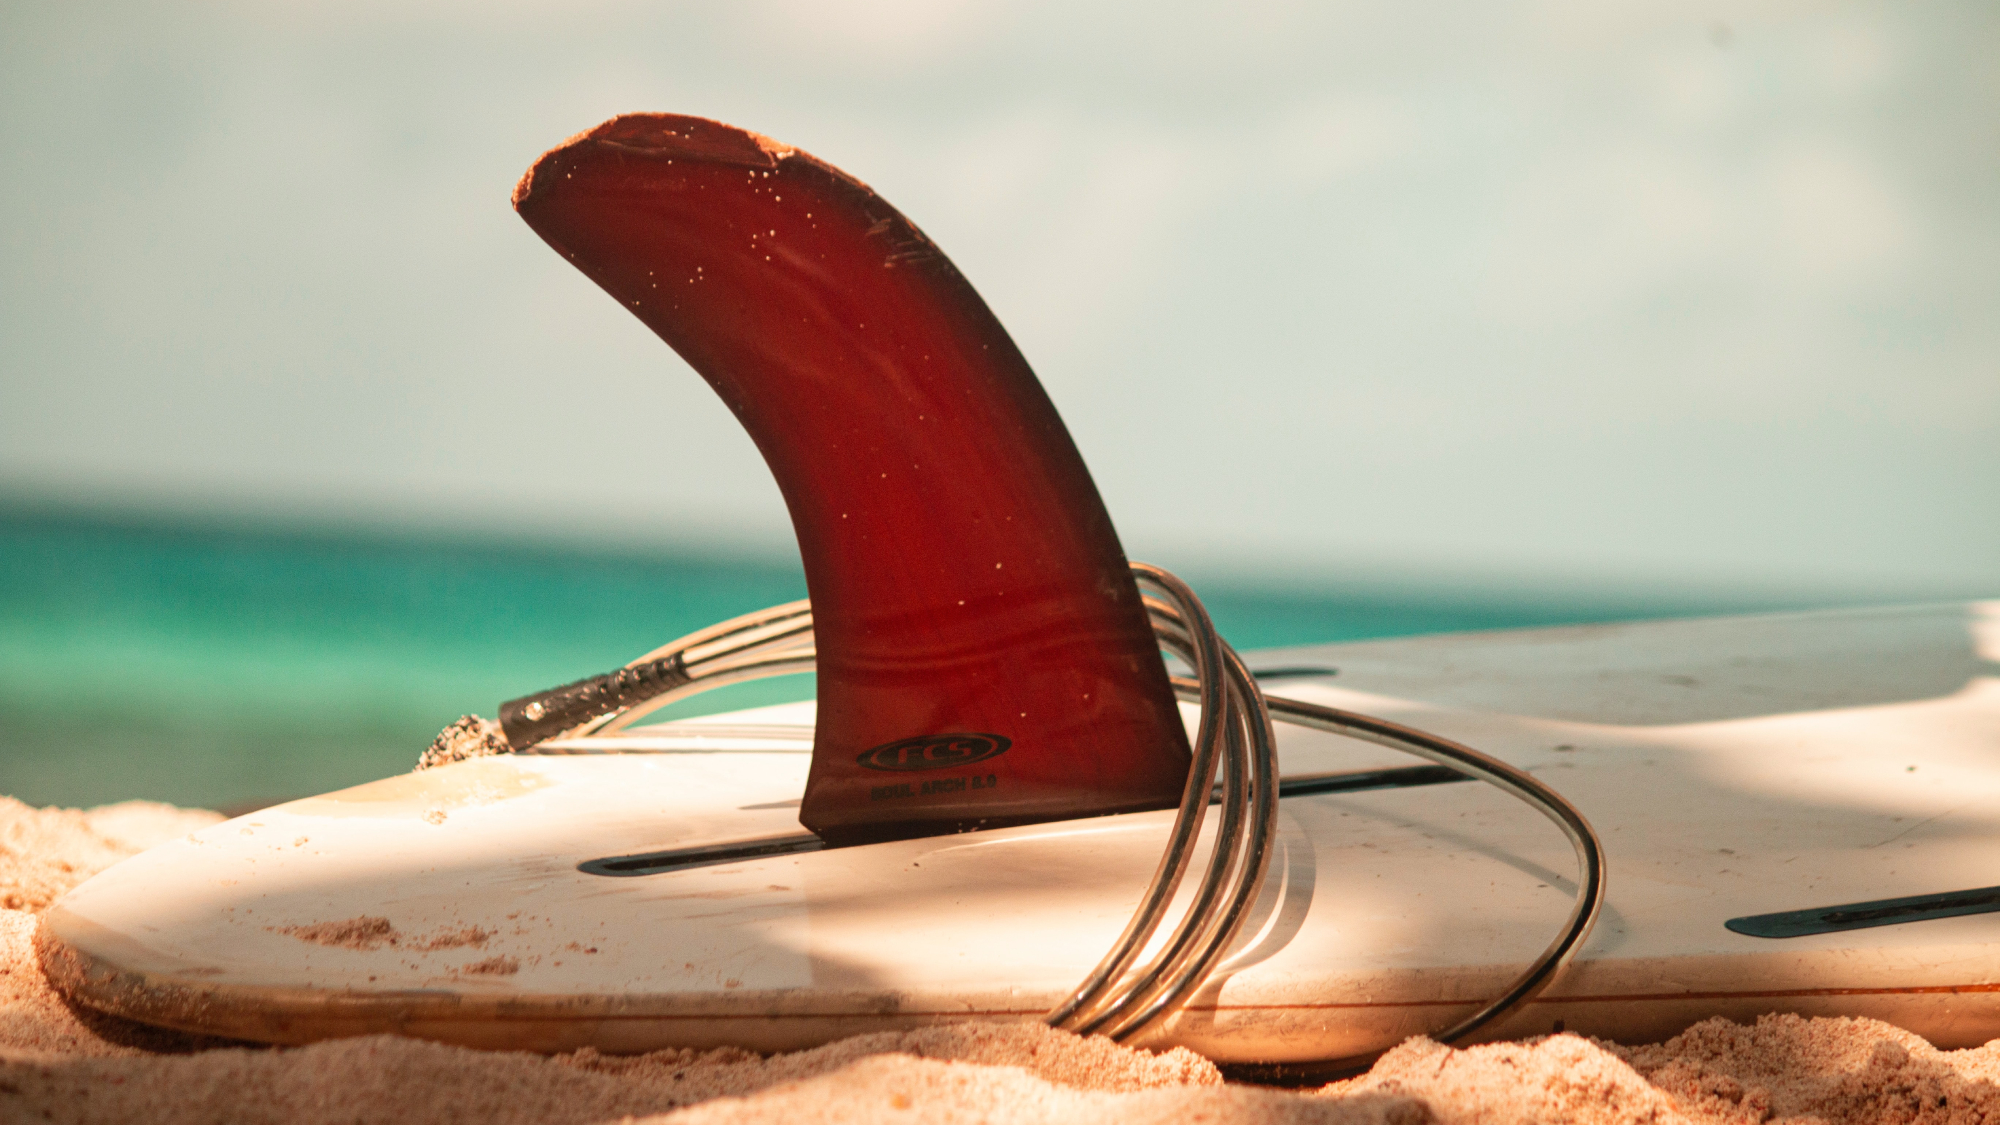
984, 657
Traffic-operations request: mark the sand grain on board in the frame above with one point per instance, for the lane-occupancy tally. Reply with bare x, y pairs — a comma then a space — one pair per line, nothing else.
62, 1064
364, 932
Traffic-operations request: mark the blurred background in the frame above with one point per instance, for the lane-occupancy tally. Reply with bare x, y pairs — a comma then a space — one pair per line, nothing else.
1373, 319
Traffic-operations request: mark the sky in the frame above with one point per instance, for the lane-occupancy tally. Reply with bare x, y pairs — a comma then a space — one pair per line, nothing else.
1570, 292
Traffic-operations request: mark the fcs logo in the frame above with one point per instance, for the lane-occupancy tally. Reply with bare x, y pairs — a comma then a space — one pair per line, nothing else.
934, 751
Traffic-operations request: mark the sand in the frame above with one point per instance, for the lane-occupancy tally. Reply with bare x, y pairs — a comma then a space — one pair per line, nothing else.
65, 1065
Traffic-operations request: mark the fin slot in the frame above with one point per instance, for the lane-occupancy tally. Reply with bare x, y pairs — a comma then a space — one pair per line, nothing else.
1862, 915
1353, 781
713, 855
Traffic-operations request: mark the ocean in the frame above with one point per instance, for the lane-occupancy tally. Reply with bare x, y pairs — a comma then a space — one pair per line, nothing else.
228, 666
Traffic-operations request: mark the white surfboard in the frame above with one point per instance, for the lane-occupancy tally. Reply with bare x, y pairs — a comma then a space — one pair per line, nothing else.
1830, 776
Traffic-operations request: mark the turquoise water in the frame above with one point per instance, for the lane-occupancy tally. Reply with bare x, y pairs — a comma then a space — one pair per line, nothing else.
227, 666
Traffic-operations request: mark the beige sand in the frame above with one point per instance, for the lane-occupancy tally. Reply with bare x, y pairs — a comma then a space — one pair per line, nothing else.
62, 1065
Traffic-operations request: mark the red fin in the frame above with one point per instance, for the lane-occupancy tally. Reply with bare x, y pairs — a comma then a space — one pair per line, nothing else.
984, 658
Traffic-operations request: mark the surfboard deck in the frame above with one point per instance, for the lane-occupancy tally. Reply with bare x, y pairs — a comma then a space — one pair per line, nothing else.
1735, 768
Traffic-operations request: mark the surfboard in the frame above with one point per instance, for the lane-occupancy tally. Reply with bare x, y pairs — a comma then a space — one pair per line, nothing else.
1799, 813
